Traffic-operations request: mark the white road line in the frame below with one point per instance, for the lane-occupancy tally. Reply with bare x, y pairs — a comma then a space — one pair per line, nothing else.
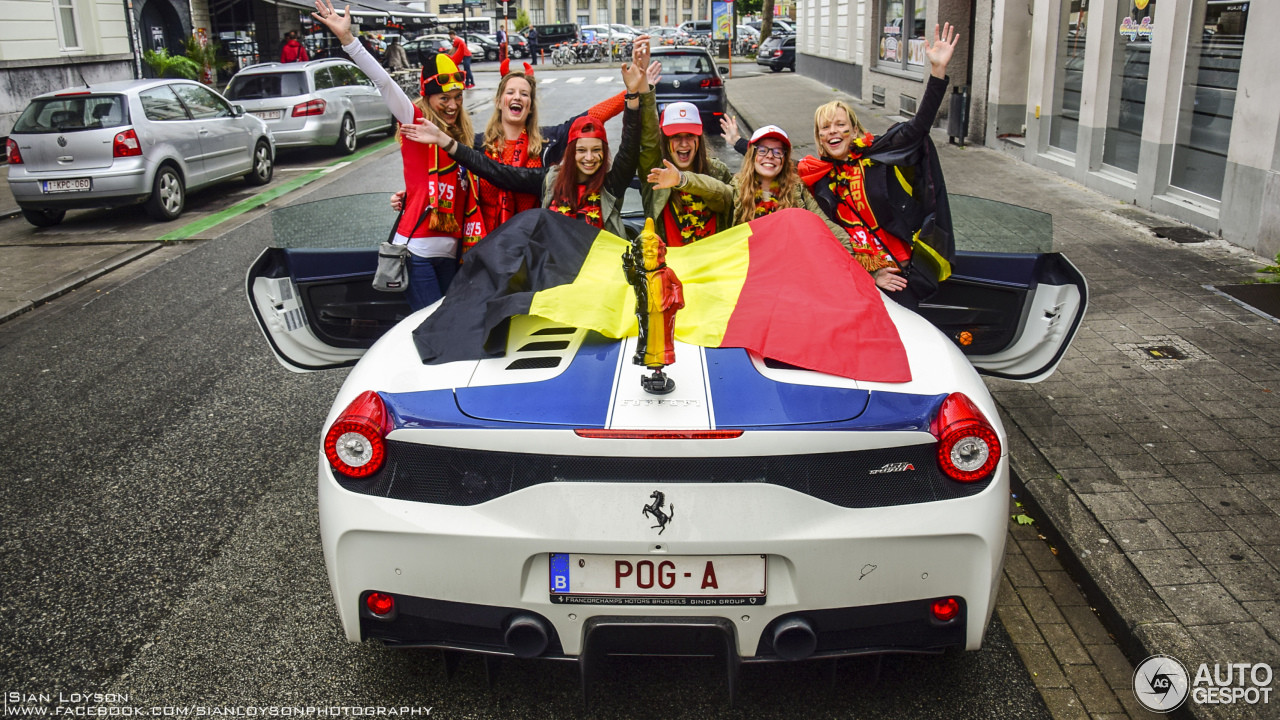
604, 79
547, 81
575, 80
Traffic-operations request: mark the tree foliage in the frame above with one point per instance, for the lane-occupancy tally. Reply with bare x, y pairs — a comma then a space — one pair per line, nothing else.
165, 65
204, 53
522, 20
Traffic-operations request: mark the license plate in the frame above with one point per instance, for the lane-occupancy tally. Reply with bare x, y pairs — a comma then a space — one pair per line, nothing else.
77, 185
657, 579
266, 114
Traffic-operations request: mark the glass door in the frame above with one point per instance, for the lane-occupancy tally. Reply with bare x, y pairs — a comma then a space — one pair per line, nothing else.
1064, 125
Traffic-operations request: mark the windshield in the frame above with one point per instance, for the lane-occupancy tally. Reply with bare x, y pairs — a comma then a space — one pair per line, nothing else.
983, 225
267, 85
70, 114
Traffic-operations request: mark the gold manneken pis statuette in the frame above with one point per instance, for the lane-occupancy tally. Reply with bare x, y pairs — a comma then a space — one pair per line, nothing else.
659, 295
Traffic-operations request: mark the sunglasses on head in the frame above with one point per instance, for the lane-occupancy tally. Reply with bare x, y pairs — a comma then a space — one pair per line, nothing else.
446, 78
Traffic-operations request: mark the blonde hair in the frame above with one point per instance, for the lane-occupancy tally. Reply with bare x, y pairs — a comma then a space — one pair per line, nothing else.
749, 183
827, 113
495, 138
461, 131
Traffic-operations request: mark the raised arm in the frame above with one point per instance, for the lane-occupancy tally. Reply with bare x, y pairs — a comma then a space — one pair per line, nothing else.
939, 54
650, 136
624, 163
340, 25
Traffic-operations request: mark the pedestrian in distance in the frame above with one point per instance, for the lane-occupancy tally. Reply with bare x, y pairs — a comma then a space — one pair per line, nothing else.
292, 50
441, 217
397, 58
584, 185
531, 38
462, 56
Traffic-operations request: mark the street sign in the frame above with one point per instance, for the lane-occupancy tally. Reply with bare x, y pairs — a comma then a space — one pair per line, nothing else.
451, 8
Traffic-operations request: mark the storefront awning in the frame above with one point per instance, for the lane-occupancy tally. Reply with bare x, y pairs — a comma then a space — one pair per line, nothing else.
393, 9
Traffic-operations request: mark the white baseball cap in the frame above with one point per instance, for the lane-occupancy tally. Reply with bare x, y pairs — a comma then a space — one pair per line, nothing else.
770, 131
681, 117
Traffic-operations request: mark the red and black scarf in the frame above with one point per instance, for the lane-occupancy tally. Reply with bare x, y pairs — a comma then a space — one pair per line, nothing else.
496, 205
436, 184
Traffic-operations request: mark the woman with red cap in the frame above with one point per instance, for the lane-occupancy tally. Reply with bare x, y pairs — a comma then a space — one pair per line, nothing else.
676, 142
766, 183
582, 185
441, 216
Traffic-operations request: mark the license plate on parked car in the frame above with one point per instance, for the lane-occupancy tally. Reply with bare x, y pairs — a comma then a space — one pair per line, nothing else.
77, 185
658, 579
266, 114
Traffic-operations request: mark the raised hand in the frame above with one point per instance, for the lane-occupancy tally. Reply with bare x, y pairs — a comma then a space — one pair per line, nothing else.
664, 177
339, 25
654, 73
633, 75
729, 126
640, 51
426, 133
939, 53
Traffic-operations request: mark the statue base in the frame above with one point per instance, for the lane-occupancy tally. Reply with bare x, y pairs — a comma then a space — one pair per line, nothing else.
657, 383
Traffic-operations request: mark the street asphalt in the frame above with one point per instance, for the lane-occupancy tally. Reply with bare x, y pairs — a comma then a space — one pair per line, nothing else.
161, 538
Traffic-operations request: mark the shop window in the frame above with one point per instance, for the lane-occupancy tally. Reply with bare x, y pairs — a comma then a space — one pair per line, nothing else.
1130, 64
68, 31
1208, 96
902, 36
1064, 126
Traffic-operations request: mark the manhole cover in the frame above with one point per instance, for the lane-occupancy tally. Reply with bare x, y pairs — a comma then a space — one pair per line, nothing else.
1181, 234
1160, 352
1260, 298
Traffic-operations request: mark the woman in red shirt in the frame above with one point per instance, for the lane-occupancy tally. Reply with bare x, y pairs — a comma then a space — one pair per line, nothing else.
441, 217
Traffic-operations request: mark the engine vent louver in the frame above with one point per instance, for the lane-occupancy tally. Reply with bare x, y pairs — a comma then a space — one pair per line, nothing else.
556, 331
544, 345
535, 363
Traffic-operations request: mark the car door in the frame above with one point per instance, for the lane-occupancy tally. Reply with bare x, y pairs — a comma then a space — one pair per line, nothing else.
349, 82
224, 139
1011, 305
172, 125
312, 291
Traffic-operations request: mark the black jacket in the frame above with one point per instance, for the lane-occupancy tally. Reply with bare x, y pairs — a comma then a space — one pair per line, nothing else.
540, 181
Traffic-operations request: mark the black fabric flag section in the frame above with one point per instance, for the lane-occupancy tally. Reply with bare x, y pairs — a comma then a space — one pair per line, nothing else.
533, 251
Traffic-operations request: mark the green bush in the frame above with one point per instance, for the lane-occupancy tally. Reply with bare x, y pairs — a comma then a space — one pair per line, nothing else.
165, 65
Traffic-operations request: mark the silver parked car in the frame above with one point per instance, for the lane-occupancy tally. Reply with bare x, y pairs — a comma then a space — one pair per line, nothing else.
321, 102
130, 142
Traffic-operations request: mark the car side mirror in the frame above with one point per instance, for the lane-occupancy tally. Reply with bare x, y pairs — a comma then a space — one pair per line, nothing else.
723, 70
237, 110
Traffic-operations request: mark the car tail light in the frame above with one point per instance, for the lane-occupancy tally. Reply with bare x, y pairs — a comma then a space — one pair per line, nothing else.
777, 53
968, 448
945, 609
126, 144
659, 434
355, 443
313, 107
712, 82
380, 604
15, 157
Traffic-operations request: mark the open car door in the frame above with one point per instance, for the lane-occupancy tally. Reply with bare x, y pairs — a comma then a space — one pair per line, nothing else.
1010, 305
312, 292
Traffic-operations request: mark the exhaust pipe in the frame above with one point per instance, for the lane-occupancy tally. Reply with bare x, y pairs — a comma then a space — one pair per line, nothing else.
794, 639
526, 636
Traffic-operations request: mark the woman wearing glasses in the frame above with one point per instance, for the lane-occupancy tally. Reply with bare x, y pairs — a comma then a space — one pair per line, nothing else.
582, 185
767, 182
441, 215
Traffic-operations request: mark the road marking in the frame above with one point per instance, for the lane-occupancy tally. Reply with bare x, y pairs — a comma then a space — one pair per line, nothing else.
575, 80
194, 228
604, 79
547, 81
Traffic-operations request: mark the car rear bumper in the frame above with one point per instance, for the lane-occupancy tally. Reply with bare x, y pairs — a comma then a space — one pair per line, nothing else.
126, 182
318, 130
871, 569
776, 62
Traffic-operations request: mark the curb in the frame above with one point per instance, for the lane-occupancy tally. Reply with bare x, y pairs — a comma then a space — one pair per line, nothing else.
71, 281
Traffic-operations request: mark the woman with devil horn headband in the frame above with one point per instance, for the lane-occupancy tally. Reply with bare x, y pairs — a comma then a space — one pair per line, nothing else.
582, 185
441, 216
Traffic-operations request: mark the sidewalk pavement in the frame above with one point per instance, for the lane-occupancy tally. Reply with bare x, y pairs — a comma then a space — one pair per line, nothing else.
1157, 480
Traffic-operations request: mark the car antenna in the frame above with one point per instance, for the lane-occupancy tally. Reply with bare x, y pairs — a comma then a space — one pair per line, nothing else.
81, 74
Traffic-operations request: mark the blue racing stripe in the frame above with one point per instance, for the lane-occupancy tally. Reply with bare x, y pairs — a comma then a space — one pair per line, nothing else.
742, 397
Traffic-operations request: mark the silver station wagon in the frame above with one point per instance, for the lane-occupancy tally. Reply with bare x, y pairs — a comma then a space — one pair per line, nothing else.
130, 142
321, 102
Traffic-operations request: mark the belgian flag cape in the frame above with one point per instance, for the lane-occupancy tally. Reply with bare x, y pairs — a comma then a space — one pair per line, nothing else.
781, 286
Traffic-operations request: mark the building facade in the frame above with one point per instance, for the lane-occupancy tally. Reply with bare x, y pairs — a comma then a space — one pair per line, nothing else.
48, 45
1164, 104
636, 13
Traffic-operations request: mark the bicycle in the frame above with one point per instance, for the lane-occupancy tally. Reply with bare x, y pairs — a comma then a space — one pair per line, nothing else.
563, 54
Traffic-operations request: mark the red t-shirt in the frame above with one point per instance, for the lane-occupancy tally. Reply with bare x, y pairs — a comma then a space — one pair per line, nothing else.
460, 50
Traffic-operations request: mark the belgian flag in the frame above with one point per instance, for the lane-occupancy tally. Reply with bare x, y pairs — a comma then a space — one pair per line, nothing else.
781, 286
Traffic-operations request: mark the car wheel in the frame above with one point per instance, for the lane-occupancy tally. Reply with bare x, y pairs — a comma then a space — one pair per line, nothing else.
774, 69
491, 55
168, 196
44, 218
263, 165
347, 136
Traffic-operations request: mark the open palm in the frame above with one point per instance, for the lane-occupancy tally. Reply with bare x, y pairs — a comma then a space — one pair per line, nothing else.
339, 25
943, 47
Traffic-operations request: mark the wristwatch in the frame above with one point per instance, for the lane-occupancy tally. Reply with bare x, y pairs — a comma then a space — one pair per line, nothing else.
631, 96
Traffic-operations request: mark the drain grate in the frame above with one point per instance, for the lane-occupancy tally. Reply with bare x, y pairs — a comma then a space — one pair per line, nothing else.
1258, 298
1182, 234
1162, 352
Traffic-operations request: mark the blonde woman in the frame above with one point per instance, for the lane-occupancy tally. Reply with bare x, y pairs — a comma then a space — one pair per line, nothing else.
441, 215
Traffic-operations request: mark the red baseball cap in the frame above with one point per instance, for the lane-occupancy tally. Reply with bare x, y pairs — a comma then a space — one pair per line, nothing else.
587, 127
681, 117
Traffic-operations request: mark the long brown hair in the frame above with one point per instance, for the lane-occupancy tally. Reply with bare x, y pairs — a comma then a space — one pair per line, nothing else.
700, 163
749, 183
461, 131
495, 138
565, 191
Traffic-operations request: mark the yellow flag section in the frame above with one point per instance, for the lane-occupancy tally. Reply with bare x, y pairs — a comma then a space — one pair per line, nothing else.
712, 270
